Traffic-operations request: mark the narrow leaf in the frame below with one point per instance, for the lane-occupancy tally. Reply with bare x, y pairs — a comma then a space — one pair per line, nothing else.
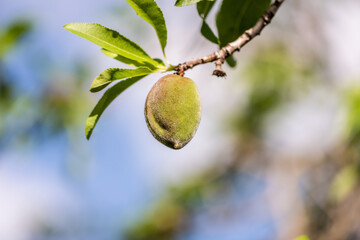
150, 12
105, 101
111, 40
236, 16
204, 8
182, 3
208, 33
231, 61
133, 62
121, 58
112, 74
160, 62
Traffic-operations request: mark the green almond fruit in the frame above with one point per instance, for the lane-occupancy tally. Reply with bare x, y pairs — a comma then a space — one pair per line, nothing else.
173, 110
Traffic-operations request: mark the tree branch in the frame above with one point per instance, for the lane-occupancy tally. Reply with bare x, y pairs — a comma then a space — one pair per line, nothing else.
229, 49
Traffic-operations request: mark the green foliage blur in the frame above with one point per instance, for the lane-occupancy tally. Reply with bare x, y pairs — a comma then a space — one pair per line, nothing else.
11, 34
57, 108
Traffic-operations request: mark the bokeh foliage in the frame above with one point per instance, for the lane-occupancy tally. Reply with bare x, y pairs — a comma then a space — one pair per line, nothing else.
57, 107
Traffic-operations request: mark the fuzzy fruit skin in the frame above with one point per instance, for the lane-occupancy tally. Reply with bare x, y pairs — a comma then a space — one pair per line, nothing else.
173, 110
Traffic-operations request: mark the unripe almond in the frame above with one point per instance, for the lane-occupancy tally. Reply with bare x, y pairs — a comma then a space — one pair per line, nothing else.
173, 110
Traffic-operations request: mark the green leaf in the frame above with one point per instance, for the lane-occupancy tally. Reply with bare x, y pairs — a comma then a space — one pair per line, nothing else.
236, 16
161, 63
203, 9
112, 74
110, 40
150, 12
123, 59
231, 61
182, 3
208, 33
134, 63
105, 101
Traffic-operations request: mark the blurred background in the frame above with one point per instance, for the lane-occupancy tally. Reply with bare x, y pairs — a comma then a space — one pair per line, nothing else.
276, 155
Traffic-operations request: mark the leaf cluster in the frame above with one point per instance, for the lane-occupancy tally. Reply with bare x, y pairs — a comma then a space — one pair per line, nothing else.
120, 48
232, 19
